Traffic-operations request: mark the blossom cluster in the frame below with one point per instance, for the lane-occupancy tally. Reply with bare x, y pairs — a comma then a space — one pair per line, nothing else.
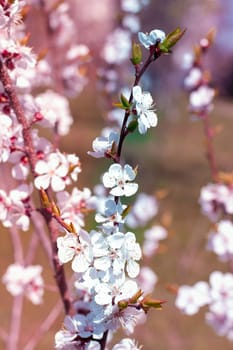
216, 201
26, 281
198, 82
110, 291
218, 295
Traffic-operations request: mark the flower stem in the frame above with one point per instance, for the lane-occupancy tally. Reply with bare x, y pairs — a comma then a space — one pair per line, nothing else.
209, 147
13, 338
154, 54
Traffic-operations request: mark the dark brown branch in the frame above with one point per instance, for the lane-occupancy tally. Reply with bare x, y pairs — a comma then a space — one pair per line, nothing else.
153, 55
30, 152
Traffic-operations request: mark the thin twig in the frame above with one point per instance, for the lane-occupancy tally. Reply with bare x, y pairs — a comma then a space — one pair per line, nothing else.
209, 147
155, 53
17, 245
33, 244
15, 327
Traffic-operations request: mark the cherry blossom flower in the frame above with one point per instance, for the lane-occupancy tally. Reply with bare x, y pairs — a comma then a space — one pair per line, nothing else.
102, 145
4, 205
15, 207
221, 241
15, 55
19, 210
117, 251
51, 172
215, 199
144, 107
55, 111
109, 293
193, 79
6, 128
74, 206
220, 322
147, 279
10, 13
65, 339
131, 22
143, 210
133, 6
76, 248
111, 217
78, 326
85, 326
127, 318
190, 299
25, 280
20, 169
108, 252
117, 47
119, 180
132, 254
221, 291
152, 38
73, 79
201, 98
152, 237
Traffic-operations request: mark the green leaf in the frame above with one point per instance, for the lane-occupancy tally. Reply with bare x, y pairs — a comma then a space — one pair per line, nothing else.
171, 39
124, 101
126, 211
119, 105
149, 302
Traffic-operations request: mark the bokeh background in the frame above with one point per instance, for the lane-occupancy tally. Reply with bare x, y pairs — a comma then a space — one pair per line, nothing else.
170, 157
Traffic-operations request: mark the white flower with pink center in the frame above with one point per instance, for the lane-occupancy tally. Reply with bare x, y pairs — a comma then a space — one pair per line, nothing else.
55, 111
25, 280
107, 293
76, 248
120, 180
215, 199
102, 145
15, 207
74, 206
111, 218
193, 78
190, 298
117, 251
221, 241
117, 47
5, 137
10, 13
51, 172
145, 109
143, 210
221, 291
201, 98
152, 238
150, 39
147, 279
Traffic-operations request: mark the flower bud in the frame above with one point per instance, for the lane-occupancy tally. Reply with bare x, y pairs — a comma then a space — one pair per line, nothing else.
136, 54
